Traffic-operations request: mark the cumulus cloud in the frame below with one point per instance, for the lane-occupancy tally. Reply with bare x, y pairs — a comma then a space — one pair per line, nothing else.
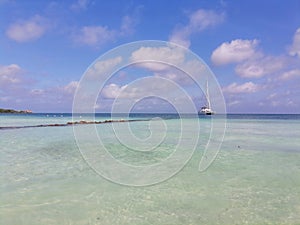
58, 97
70, 87
280, 99
103, 67
13, 84
176, 76
112, 90
142, 91
247, 87
260, 67
79, 5
198, 21
37, 92
127, 26
234, 102
99, 35
17, 90
28, 30
290, 74
235, 51
130, 91
141, 88
10, 74
94, 35
170, 62
170, 55
295, 47
251, 63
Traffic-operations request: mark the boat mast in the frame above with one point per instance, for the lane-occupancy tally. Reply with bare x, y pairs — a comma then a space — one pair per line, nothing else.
207, 94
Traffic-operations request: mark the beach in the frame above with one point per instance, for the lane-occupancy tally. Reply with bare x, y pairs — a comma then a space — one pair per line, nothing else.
255, 178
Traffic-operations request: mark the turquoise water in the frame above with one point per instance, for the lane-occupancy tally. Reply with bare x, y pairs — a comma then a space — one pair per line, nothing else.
255, 178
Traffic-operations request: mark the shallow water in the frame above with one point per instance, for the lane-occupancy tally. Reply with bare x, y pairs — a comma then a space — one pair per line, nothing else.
255, 178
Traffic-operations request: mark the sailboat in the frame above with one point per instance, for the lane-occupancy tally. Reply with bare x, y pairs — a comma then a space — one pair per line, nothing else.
206, 110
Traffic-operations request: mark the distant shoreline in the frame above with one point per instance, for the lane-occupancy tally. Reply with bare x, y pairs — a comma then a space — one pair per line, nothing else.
15, 111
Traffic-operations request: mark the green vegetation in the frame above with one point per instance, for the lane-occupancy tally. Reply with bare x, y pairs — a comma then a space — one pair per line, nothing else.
14, 111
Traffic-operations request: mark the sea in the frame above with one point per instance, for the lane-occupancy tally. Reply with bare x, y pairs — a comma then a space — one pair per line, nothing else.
58, 175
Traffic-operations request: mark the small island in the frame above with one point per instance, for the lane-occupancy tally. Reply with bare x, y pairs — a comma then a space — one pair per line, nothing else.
14, 111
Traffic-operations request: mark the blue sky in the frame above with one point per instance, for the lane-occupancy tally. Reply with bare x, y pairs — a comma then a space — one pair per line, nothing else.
252, 47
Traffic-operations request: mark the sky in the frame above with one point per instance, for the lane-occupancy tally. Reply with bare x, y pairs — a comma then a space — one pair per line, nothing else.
252, 47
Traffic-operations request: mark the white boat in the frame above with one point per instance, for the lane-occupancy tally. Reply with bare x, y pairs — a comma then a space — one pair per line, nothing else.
206, 110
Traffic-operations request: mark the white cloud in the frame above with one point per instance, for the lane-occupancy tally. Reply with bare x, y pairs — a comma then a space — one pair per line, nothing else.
142, 94
177, 76
235, 51
103, 67
63, 93
198, 21
181, 37
127, 26
130, 91
202, 19
10, 74
79, 5
290, 74
37, 92
99, 35
247, 87
291, 103
272, 96
157, 55
170, 62
252, 63
112, 90
70, 87
141, 88
234, 102
260, 67
275, 103
13, 85
295, 48
28, 30
94, 35
174, 76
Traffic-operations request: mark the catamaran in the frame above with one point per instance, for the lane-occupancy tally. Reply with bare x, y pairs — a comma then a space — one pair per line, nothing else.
206, 110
